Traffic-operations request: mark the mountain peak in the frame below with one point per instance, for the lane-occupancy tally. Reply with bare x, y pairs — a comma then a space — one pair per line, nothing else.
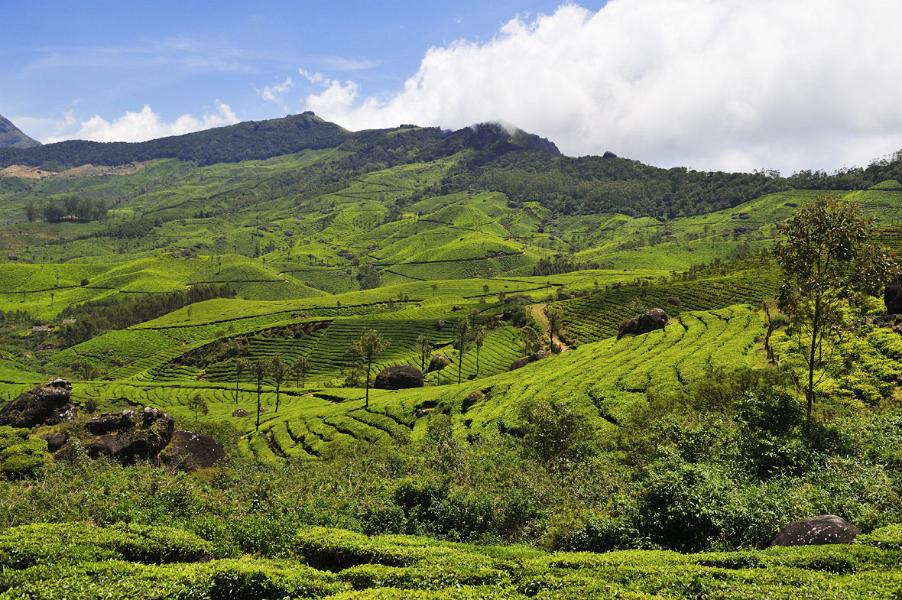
12, 137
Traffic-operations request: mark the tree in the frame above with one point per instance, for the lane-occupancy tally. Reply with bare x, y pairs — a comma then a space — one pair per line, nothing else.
554, 321
240, 367
829, 261
277, 370
198, 404
369, 344
532, 339
259, 375
462, 333
479, 335
300, 368
424, 347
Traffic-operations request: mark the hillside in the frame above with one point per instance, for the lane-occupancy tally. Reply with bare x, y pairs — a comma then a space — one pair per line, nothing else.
12, 137
228, 278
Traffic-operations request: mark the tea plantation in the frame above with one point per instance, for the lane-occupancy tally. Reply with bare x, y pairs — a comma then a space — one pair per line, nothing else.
546, 454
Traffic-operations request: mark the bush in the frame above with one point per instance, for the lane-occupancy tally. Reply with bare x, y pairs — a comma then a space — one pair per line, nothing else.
21, 454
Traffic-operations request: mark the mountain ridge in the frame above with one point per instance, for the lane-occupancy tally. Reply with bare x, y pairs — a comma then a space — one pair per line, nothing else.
13, 137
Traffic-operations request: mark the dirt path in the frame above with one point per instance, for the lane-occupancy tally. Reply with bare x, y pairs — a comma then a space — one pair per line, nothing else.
538, 312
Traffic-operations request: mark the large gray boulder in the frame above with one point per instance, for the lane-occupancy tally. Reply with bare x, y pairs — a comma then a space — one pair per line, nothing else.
653, 318
824, 529
522, 362
398, 378
892, 296
438, 362
190, 451
45, 405
130, 435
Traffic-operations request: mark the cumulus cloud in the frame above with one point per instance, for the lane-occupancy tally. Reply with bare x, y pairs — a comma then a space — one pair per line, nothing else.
146, 125
276, 93
711, 84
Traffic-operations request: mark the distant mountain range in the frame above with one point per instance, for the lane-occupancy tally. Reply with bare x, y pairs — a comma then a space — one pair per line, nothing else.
264, 139
12, 137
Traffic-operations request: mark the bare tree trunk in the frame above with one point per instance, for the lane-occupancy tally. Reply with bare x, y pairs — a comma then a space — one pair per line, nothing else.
369, 364
815, 329
258, 406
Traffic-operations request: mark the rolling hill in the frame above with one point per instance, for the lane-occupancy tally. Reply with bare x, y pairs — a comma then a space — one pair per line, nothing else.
179, 282
12, 137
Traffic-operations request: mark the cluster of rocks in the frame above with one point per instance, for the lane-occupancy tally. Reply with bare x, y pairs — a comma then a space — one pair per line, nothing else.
522, 362
650, 320
127, 436
399, 377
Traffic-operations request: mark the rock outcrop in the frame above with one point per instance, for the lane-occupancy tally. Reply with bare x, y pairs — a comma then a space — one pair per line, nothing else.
191, 451
45, 405
130, 435
398, 378
653, 318
522, 362
438, 362
824, 529
892, 296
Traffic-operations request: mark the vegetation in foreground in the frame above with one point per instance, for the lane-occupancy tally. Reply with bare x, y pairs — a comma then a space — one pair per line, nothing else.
259, 301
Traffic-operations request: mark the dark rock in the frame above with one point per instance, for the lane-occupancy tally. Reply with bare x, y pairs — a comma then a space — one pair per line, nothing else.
130, 435
45, 405
191, 451
608, 155
471, 399
892, 296
399, 377
56, 440
825, 529
438, 362
240, 412
522, 362
653, 318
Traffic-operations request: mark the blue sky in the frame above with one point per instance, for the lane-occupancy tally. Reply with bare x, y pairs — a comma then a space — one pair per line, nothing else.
708, 84
106, 57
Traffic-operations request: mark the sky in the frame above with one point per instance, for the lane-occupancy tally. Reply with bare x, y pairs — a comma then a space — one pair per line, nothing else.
708, 84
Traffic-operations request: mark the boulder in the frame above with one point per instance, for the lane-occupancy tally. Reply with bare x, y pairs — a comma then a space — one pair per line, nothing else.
130, 435
240, 412
45, 405
438, 362
825, 529
55, 440
522, 362
892, 296
191, 451
399, 377
653, 318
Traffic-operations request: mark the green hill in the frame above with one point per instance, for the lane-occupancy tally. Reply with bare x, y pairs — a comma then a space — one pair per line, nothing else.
12, 137
566, 462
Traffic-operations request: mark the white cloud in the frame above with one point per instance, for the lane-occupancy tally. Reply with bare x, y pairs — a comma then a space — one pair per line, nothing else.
276, 93
342, 63
707, 83
145, 125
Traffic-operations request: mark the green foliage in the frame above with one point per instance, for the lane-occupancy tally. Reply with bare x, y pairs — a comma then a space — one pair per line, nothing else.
21, 454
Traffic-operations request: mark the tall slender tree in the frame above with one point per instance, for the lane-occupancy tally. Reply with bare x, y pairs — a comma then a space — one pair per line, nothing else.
300, 368
259, 375
424, 347
369, 344
277, 372
829, 260
479, 335
240, 367
462, 333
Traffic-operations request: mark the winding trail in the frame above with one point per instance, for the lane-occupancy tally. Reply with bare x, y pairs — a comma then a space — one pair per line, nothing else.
538, 312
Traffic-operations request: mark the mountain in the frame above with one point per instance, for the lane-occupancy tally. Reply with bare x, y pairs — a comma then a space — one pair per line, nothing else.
243, 141
12, 137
